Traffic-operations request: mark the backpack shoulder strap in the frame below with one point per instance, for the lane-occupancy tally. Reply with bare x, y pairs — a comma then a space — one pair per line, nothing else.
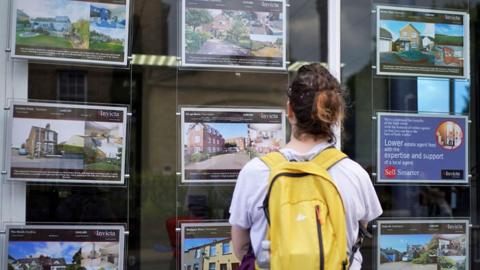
272, 159
329, 157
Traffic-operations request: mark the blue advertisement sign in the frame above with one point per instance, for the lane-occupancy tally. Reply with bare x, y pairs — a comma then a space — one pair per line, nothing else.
413, 148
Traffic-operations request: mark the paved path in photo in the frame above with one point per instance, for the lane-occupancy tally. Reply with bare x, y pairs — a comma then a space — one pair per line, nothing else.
407, 266
234, 161
47, 163
221, 47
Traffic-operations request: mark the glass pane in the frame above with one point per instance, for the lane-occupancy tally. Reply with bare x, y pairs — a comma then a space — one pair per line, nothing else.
438, 88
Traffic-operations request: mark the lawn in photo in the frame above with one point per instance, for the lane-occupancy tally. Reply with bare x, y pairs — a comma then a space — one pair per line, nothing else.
103, 146
107, 27
234, 33
217, 146
39, 255
52, 24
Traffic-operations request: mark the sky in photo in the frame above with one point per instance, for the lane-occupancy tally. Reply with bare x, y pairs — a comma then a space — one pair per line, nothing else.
75, 10
66, 250
117, 10
116, 33
400, 242
65, 129
227, 130
449, 29
196, 242
425, 29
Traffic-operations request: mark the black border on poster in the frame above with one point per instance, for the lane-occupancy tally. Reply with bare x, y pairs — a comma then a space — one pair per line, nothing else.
184, 180
465, 222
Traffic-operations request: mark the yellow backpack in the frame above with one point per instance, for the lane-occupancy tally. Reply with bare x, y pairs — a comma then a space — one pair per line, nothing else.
307, 227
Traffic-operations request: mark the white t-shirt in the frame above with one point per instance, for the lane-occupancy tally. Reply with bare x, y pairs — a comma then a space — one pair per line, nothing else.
359, 197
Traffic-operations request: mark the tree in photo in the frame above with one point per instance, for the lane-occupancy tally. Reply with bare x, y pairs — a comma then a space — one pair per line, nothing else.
239, 35
196, 17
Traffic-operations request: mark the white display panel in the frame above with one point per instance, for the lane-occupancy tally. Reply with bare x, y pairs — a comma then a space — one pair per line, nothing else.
78, 31
234, 34
422, 148
423, 244
65, 247
53, 142
422, 42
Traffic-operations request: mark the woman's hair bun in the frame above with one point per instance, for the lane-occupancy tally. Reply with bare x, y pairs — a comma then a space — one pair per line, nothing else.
317, 100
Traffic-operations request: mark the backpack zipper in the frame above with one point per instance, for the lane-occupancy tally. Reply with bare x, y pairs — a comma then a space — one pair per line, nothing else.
320, 239
274, 180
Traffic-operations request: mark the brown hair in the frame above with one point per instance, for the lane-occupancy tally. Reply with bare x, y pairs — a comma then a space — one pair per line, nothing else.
318, 102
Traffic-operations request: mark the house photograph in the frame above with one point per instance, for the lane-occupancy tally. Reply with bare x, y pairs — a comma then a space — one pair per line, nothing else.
43, 255
408, 251
47, 143
217, 146
420, 44
209, 254
52, 24
232, 32
49, 255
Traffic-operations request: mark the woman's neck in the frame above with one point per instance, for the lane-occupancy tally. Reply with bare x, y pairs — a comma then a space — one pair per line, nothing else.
304, 143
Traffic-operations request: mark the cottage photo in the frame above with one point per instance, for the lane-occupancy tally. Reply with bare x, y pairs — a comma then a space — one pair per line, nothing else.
207, 251
39, 255
52, 24
421, 42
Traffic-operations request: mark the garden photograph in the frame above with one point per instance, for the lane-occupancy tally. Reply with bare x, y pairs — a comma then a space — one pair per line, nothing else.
233, 33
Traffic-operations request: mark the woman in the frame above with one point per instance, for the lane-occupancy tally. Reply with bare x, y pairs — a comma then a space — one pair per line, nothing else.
315, 107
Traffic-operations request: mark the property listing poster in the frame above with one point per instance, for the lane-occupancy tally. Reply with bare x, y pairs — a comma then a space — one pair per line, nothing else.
82, 31
207, 246
66, 143
423, 244
218, 142
422, 148
234, 33
422, 42
65, 247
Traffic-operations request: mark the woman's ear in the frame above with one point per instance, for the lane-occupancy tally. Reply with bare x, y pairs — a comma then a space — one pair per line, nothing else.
290, 113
